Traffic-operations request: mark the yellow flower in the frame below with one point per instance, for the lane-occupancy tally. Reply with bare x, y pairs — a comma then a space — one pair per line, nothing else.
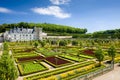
49, 78
71, 72
79, 69
63, 75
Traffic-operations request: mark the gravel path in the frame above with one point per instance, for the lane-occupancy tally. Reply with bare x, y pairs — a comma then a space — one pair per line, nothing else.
112, 75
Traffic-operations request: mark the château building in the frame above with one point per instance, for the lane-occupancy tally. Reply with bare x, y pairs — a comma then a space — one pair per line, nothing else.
24, 34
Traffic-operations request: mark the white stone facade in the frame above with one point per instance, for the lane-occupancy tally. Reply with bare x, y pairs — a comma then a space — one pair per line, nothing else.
24, 34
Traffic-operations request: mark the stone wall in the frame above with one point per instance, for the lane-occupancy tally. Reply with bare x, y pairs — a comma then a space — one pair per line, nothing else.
59, 37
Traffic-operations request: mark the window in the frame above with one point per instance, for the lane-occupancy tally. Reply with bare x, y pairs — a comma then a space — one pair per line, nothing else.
14, 36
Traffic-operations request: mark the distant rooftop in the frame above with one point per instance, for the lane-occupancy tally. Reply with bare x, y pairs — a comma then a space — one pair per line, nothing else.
21, 30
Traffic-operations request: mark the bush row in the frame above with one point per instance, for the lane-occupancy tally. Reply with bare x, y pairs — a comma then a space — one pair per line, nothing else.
72, 73
83, 73
58, 71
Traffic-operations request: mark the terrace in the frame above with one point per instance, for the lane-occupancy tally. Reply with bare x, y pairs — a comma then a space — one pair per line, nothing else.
63, 63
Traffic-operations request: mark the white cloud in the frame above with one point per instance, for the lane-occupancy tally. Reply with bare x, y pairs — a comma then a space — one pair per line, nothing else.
52, 10
4, 10
58, 2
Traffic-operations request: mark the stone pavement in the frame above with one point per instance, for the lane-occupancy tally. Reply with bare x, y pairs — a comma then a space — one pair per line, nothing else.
112, 75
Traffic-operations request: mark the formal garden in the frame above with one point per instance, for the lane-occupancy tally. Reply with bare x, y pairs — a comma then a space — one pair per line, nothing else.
62, 59
30, 67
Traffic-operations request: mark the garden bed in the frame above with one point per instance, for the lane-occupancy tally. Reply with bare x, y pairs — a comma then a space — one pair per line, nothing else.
89, 52
56, 62
25, 54
46, 52
58, 71
23, 50
30, 58
83, 73
30, 67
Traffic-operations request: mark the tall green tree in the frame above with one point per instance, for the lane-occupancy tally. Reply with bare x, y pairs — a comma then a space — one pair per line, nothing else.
99, 55
5, 45
62, 43
111, 53
43, 43
75, 42
36, 44
8, 69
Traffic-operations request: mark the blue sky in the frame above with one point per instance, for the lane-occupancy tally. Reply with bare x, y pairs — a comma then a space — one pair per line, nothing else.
95, 15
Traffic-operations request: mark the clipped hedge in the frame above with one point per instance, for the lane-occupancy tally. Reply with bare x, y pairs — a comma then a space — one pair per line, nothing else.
70, 74
83, 73
117, 59
73, 58
58, 71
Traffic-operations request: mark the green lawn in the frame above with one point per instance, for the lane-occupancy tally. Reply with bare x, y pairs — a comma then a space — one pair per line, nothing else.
30, 67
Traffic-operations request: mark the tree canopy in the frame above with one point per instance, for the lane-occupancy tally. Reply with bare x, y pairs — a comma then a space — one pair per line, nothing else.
45, 26
62, 30
8, 70
99, 55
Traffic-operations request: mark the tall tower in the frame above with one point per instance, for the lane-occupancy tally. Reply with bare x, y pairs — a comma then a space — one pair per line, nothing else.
38, 32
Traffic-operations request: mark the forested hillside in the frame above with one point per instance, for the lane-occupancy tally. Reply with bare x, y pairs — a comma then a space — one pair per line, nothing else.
50, 28
61, 30
107, 34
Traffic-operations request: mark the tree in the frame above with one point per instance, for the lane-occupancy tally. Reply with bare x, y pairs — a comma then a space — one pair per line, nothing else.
53, 42
75, 42
8, 70
43, 43
99, 55
46, 27
62, 43
36, 44
5, 46
111, 53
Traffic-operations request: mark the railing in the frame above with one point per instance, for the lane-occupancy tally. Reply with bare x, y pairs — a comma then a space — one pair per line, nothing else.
91, 75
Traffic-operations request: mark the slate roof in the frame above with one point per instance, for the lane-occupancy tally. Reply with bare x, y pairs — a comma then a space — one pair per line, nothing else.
21, 30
